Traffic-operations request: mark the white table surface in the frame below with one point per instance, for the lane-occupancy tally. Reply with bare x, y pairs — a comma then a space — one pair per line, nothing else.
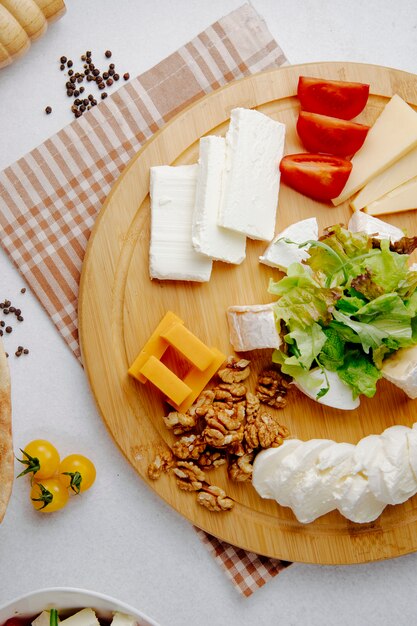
120, 538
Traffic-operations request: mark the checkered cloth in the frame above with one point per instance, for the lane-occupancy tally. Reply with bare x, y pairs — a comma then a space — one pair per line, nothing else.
49, 199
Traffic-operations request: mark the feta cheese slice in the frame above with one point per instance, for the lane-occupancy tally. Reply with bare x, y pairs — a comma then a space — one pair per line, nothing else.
254, 148
122, 619
281, 254
43, 619
85, 617
401, 370
171, 254
208, 237
252, 327
362, 222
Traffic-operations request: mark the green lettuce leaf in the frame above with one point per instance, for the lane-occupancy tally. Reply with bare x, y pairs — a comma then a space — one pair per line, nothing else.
369, 335
360, 374
309, 342
332, 354
388, 269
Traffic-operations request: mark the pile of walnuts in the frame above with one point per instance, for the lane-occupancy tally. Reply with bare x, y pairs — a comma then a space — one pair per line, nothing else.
226, 425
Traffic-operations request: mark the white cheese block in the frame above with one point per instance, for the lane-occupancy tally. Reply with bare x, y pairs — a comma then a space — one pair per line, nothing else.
122, 619
267, 463
252, 327
43, 619
281, 254
398, 173
254, 148
339, 395
393, 135
401, 369
171, 255
362, 222
208, 237
403, 198
85, 617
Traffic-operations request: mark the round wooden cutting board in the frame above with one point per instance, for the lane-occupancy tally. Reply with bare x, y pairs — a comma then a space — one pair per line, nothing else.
6, 444
120, 307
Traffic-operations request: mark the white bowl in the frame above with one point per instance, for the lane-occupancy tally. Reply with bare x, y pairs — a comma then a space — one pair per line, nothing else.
67, 598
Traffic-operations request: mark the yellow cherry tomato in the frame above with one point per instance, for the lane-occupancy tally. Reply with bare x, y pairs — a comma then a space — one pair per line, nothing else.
41, 459
77, 472
49, 495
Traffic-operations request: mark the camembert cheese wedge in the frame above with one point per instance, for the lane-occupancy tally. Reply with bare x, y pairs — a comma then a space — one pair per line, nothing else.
390, 138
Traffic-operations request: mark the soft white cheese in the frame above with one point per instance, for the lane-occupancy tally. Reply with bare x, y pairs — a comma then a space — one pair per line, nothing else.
339, 395
252, 327
281, 253
85, 617
267, 463
400, 482
208, 237
254, 148
362, 222
356, 501
401, 370
171, 255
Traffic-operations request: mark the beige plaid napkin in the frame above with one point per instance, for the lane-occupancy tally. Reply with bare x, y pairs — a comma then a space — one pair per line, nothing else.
50, 198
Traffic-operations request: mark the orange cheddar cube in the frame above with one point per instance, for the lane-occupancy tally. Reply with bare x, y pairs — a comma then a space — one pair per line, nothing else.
192, 348
197, 380
168, 382
155, 346
204, 362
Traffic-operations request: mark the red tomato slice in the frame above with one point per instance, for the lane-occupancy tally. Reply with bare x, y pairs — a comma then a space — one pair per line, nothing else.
321, 133
337, 98
318, 176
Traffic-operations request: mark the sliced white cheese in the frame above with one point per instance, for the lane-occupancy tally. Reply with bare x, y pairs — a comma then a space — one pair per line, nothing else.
254, 148
208, 237
43, 619
403, 198
398, 173
393, 135
362, 222
401, 370
252, 327
122, 619
85, 617
171, 255
339, 395
281, 254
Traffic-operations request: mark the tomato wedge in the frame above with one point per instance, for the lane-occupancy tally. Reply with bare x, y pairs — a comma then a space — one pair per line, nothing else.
318, 176
337, 98
321, 133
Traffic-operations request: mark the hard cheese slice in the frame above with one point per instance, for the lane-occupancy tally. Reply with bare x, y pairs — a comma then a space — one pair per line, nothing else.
254, 148
208, 237
403, 198
393, 135
171, 255
400, 172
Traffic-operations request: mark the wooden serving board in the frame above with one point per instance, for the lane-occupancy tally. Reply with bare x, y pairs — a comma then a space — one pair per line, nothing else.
120, 306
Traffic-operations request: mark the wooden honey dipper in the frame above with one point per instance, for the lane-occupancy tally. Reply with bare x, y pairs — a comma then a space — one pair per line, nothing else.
23, 21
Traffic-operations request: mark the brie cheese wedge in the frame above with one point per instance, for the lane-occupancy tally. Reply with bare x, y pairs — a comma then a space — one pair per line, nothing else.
252, 327
281, 253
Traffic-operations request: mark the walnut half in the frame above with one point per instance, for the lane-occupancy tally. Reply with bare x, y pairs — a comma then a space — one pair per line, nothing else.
214, 499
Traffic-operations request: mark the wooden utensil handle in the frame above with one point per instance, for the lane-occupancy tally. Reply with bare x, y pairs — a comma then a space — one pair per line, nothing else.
23, 21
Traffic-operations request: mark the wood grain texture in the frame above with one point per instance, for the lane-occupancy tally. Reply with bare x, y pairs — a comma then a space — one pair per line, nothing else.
120, 306
24, 21
6, 443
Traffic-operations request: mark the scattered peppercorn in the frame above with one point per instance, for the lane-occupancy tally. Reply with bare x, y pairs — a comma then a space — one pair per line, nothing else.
103, 95
70, 72
116, 77
23, 290
108, 54
70, 63
126, 75
109, 82
62, 67
63, 59
9, 329
48, 110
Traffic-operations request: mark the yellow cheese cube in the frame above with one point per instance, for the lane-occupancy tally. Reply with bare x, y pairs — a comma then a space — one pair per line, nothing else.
192, 348
197, 380
162, 377
155, 345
